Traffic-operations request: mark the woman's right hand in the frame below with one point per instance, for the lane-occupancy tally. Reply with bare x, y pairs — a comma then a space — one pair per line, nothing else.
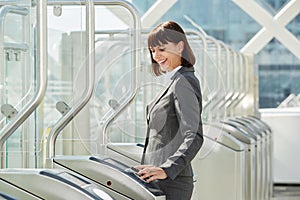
150, 173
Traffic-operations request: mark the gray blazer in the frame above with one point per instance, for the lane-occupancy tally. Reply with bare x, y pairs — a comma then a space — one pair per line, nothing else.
174, 126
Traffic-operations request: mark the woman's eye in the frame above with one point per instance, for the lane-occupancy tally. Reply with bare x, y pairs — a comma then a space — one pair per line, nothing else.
158, 49
161, 48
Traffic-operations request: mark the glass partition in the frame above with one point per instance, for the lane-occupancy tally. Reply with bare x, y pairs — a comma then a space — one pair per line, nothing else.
115, 74
17, 83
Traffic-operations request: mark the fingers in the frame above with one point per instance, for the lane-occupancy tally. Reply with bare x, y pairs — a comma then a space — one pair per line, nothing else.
146, 174
151, 173
141, 167
151, 178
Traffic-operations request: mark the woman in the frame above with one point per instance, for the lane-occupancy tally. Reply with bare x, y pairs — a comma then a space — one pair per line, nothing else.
174, 126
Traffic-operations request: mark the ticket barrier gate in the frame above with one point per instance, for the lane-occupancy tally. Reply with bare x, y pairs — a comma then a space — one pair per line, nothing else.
128, 153
219, 166
267, 130
114, 177
250, 156
14, 192
6, 197
259, 155
262, 133
219, 149
264, 130
227, 157
30, 184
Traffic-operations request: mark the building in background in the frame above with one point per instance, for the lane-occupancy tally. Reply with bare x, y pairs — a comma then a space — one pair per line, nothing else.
278, 69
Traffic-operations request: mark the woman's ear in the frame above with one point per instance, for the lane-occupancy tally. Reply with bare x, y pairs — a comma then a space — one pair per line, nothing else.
180, 46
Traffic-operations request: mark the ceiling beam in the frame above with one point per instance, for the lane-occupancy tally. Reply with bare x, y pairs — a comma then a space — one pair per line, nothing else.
272, 27
155, 12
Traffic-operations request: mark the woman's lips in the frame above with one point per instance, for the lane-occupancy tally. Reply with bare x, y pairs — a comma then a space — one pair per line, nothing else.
162, 62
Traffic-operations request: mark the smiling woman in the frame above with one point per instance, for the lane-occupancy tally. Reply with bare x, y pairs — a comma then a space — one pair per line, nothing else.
174, 125
168, 39
168, 56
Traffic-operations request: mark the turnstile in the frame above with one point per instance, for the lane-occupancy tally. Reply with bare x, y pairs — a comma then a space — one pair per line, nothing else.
114, 177
16, 192
256, 162
128, 153
219, 166
261, 132
250, 158
264, 130
48, 184
227, 157
257, 189
4, 196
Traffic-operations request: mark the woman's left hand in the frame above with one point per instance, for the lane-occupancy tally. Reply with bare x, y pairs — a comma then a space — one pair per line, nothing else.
150, 173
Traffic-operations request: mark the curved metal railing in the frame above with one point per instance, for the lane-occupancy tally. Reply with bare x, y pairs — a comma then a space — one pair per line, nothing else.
41, 71
65, 119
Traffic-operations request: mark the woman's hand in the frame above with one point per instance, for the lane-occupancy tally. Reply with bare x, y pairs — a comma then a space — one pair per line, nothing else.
150, 173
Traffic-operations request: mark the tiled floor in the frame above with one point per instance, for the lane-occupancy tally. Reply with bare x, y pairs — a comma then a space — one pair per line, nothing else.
286, 193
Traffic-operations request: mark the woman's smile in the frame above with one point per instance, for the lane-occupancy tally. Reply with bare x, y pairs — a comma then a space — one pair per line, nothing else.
162, 62
168, 56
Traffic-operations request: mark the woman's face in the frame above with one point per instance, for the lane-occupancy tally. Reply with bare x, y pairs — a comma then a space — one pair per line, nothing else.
168, 56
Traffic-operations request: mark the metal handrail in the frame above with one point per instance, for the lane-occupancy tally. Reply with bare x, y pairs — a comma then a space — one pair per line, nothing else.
4, 10
214, 95
90, 62
12, 9
222, 99
135, 71
194, 24
207, 37
242, 84
244, 78
41, 79
201, 36
229, 101
239, 94
15, 46
63, 122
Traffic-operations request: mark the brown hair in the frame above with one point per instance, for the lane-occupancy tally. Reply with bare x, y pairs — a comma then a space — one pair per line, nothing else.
170, 32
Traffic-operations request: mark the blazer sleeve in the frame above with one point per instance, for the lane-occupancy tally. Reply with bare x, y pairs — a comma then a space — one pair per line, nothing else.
188, 108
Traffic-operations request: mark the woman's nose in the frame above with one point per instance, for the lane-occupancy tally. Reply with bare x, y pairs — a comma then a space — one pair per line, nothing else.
156, 55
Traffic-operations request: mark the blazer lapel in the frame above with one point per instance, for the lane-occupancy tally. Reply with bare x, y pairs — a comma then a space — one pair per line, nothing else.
159, 95
164, 90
